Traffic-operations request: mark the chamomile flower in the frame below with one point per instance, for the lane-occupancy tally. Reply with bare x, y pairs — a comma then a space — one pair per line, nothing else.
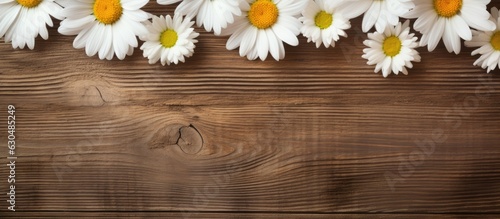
449, 20
21, 21
378, 13
324, 22
488, 43
212, 14
106, 27
169, 40
263, 27
392, 50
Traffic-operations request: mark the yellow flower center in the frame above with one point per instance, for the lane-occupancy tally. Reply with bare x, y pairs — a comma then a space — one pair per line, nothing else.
392, 46
447, 8
108, 11
495, 41
263, 14
29, 3
168, 38
323, 20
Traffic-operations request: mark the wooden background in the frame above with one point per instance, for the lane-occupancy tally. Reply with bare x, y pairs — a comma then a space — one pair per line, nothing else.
316, 135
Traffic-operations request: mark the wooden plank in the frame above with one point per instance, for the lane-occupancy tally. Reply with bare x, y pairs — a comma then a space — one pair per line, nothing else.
209, 215
315, 135
321, 159
217, 76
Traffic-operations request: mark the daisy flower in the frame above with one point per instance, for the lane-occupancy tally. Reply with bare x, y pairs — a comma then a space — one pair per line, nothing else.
392, 50
107, 27
488, 43
212, 14
21, 21
378, 13
323, 22
169, 40
449, 20
263, 27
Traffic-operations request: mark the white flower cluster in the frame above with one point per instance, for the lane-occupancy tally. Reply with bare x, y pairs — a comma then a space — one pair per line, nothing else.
110, 28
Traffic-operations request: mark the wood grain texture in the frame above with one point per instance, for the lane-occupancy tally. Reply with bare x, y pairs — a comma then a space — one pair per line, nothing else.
243, 215
317, 135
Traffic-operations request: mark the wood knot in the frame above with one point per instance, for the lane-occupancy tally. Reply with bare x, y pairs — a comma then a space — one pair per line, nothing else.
187, 138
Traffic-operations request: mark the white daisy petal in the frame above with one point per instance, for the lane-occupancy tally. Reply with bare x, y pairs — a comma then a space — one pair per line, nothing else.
376, 13
435, 35
457, 23
372, 16
211, 14
249, 44
106, 44
273, 44
451, 39
285, 35
263, 46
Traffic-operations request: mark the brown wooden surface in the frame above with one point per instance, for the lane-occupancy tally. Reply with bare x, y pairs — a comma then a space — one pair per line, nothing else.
315, 135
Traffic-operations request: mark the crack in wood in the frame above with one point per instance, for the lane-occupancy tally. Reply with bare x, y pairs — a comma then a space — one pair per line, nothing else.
100, 95
190, 139
186, 137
